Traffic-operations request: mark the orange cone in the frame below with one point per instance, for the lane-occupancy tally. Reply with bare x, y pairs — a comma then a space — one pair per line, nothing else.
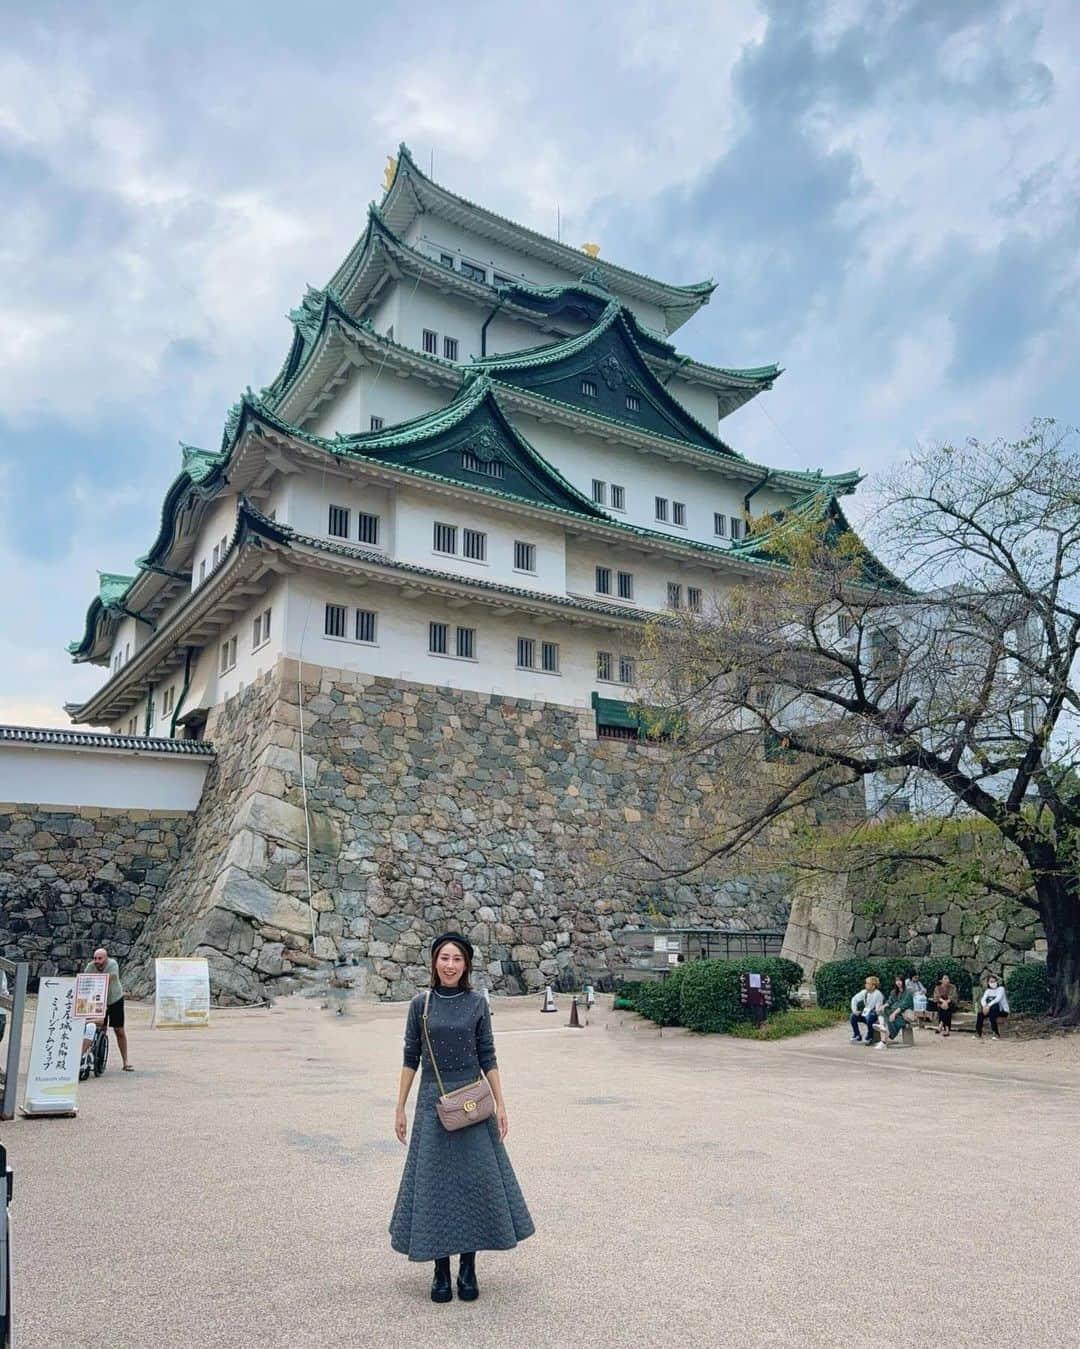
574, 1016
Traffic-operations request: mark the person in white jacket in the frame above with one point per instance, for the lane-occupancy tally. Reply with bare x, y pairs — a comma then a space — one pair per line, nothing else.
993, 1005
866, 1007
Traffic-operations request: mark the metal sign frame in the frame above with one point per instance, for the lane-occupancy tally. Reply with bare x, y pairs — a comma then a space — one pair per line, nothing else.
14, 1003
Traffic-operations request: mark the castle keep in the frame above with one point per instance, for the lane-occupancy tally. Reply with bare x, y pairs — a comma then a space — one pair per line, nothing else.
403, 600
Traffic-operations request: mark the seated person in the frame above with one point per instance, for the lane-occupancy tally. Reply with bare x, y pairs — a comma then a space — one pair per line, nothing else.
865, 1007
944, 999
993, 1005
918, 992
897, 1012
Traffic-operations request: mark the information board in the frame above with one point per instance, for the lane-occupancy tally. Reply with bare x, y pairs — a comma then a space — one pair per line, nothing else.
181, 992
91, 995
52, 1078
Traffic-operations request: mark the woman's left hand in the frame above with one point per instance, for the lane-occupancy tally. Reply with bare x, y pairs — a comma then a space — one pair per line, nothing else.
503, 1123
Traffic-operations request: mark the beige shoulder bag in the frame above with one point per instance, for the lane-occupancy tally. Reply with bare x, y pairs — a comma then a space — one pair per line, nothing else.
464, 1105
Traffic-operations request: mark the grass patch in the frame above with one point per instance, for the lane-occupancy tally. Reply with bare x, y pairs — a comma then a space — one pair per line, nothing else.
797, 1021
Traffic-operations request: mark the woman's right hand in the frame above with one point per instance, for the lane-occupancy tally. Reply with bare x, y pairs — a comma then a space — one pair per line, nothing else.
399, 1123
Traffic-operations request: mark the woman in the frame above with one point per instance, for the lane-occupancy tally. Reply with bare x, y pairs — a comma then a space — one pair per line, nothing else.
993, 1004
898, 1010
918, 993
944, 999
458, 1192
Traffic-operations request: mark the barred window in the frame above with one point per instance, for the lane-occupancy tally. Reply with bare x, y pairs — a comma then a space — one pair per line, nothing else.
693, 599
228, 655
445, 538
599, 491
603, 665
618, 497
845, 624
678, 512
335, 620
260, 629
338, 525
524, 556
447, 260
366, 625
526, 653
603, 580
736, 527
661, 508
437, 638
431, 342
549, 657
633, 403
473, 272
449, 348
474, 545
626, 670
719, 525
367, 527
490, 468
588, 388
376, 423
466, 643
674, 595
626, 585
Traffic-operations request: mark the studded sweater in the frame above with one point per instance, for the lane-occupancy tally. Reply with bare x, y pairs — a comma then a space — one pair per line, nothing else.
460, 1028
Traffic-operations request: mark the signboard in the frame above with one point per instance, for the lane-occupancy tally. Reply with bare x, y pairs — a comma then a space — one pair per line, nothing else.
91, 995
755, 990
182, 992
52, 1078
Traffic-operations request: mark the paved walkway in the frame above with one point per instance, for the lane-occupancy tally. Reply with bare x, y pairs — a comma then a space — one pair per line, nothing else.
234, 1192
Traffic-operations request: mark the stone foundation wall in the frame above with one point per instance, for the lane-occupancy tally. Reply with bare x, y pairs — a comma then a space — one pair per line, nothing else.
988, 934
427, 808
74, 878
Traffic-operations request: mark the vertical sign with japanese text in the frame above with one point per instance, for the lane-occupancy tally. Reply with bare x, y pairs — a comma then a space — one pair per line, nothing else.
52, 1078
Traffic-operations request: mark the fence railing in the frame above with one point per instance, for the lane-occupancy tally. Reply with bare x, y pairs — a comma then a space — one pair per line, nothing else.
12, 1005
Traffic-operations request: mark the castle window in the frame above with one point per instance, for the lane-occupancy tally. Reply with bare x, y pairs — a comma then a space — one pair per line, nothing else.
736, 528
599, 491
366, 620
445, 538
168, 700
678, 513
133, 726
549, 657
633, 403
626, 585
466, 643
618, 497
474, 545
437, 638
661, 508
447, 260
472, 271
626, 670
260, 629
603, 580
202, 571
845, 624
490, 468
526, 653
431, 342
674, 595
603, 665
693, 599
228, 656
214, 556
719, 525
588, 388
367, 527
524, 556
501, 280
449, 348
338, 524
336, 615
376, 423
116, 663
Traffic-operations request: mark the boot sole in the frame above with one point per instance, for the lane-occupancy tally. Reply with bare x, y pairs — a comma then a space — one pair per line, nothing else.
467, 1297
443, 1297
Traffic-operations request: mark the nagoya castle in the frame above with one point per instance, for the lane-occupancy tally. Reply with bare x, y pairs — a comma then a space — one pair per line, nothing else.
403, 601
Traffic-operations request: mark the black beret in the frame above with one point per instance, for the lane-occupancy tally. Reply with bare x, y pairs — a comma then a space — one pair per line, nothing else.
457, 939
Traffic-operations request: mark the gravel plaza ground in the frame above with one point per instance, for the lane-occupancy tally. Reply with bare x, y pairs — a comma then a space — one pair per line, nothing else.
234, 1191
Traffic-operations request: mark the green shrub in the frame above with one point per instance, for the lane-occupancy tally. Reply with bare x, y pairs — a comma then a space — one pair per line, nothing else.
1028, 990
659, 999
795, 1021
710, 1001
837, 981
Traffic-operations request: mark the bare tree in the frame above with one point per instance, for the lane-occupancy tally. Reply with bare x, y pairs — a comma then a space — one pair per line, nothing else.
949, 681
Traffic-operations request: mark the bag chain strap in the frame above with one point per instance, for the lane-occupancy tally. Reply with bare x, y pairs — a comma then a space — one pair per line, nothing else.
431, 1052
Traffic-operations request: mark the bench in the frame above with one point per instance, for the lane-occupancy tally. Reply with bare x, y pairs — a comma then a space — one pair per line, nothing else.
907, 1034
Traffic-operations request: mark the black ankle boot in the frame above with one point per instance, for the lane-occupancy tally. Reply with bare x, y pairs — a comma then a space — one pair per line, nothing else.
467, 1290
440, 1284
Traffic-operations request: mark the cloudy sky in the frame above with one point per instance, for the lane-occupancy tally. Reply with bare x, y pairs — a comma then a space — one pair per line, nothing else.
886, 193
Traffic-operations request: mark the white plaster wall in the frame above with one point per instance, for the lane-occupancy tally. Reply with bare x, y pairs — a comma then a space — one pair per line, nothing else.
401, 649
218, 524
59, 775
251, 661
698, 400
310, 498
651, 575
128, 638
376, 390
417, 512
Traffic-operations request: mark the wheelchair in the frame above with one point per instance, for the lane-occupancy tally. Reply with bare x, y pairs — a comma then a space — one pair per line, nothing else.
95, 1050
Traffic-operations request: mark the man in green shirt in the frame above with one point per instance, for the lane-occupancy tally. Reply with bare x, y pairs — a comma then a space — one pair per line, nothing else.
103, 963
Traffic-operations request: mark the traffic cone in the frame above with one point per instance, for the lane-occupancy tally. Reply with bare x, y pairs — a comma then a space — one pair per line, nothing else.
590, 996
574, 1016
549, 1001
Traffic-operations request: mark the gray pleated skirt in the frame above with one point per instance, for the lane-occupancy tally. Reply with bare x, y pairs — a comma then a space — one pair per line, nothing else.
458, 1191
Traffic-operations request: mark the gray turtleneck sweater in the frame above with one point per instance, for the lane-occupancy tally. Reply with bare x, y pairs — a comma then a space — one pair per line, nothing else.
460, 1028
